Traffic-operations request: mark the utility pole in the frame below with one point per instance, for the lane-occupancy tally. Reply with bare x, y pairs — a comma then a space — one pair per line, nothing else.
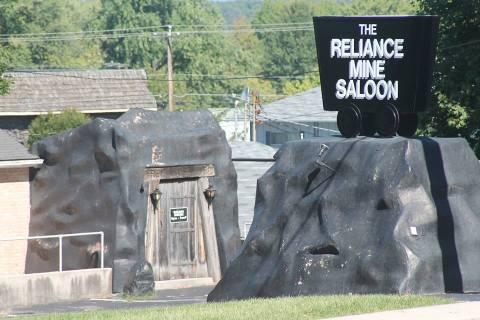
245, 97
236, 123
254, 122
171, 106
245, 121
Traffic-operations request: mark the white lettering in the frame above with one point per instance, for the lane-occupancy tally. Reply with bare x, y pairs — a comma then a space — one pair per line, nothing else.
350, 90
386, 53
340, 94
355, 69
354, 89
370, 94
380, 67
367, 48
345, 48
358, 94
392, 90
335, 48
381, 84
398, 47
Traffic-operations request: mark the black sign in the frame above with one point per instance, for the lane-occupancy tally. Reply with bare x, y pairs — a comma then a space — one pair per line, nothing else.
374, 61
178, 215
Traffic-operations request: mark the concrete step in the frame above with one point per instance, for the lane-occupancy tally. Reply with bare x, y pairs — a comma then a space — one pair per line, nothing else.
183, 283
42, 288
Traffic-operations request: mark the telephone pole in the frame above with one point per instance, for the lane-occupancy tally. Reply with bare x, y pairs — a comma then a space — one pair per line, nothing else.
245, 121
171, 106
254, 122
236, 120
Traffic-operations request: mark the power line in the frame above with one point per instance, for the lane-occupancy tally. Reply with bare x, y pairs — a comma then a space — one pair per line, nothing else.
154, 34
262, 115
221, 26
156, 78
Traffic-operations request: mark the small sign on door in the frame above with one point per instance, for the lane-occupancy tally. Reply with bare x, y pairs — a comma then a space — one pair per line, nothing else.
178, 215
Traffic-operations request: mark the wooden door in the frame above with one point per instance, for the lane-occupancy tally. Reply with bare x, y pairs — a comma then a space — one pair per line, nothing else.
174, 235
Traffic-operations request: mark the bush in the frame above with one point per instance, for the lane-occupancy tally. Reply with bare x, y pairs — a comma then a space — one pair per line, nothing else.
51, 124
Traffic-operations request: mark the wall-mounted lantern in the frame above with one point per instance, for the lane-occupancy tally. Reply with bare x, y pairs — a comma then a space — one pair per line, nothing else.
155, 197
209, 194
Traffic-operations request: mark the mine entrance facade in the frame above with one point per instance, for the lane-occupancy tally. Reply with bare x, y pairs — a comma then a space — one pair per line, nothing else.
180, 240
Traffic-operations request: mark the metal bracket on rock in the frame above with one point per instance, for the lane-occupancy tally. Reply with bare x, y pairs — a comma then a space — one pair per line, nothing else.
321, 155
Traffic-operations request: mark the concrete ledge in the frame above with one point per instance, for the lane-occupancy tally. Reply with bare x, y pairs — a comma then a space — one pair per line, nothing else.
183, 283
43, 288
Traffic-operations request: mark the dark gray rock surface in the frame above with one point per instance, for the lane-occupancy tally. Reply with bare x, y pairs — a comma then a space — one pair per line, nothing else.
92, 181
140, 280
394, 215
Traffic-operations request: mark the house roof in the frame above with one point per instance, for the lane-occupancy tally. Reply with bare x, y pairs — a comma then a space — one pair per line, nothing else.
250, 161
13, 154
303, 107
89, 91
251, 150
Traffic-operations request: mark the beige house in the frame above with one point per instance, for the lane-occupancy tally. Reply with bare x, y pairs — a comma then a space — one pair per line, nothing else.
15, 164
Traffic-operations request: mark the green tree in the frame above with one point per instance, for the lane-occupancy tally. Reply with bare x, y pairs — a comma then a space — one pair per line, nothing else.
456, 78
378, 7
51, 124
146, 51
239, 9
458, 62
195, 53
48, 16
294, 53
287, 53
296, 86
447, 118
4, 84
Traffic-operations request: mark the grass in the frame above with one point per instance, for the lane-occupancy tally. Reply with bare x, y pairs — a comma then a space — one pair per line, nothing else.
311, 307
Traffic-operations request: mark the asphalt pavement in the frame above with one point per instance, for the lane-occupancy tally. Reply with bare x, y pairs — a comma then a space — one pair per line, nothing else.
161, 298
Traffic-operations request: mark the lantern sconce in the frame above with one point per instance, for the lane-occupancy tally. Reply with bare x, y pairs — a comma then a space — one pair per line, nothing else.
155, 197
209, 194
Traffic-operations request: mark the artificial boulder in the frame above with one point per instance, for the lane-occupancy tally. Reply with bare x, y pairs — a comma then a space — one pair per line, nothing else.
140, 280
93, 180
364, 215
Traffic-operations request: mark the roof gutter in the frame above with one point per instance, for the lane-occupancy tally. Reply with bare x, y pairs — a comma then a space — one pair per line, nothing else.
36, 113
33, 163
254, 159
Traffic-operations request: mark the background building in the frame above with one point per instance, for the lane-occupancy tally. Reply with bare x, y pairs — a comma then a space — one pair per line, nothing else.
294, 118
99, 93
251, 161
15, 162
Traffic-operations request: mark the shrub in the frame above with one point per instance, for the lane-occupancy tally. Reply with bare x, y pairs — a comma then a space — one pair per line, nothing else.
51, 124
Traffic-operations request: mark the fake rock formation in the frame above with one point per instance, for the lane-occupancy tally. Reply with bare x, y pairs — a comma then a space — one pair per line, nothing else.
368, 215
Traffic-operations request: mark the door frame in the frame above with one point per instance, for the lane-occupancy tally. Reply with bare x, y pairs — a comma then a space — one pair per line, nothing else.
154, 174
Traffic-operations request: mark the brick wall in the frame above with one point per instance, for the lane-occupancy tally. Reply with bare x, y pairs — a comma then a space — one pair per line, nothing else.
14, 218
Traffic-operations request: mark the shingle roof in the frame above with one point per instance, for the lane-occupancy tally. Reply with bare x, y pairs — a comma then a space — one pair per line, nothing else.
11, 150
303, 107
248, 172
251, 150
94, 91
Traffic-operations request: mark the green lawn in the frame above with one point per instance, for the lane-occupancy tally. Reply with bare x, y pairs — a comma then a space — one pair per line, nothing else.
313, 307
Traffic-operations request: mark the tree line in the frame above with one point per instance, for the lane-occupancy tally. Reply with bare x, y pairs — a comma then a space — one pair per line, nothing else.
213, 57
